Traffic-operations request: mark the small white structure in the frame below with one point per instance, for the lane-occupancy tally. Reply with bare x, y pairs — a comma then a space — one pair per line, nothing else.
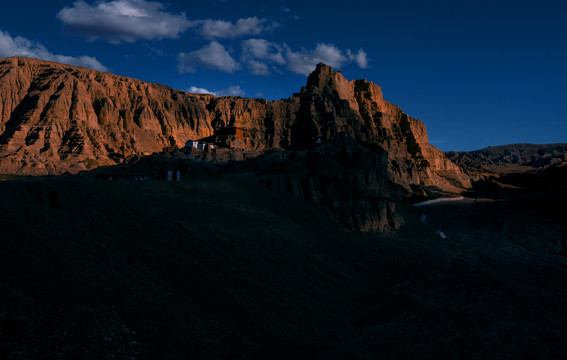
192, 144
196, 144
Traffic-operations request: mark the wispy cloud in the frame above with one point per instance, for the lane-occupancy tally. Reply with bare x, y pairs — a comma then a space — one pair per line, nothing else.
20, 46
360, 58
221, 29
304, 61
257, 53
260, 55
230, 91
120, 21
288, 13
123, 20
213, 56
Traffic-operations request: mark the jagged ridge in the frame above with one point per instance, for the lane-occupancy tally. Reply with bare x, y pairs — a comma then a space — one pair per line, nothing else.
58, 118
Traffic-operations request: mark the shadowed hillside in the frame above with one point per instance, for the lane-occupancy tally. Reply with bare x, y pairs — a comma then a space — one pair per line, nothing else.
222, 267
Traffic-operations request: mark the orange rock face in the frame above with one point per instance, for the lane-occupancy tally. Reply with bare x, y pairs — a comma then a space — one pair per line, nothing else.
57, 118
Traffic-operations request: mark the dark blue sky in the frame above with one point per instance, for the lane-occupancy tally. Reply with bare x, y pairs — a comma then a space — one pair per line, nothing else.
476, 73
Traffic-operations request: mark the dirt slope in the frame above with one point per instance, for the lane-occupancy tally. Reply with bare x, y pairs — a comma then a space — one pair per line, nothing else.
216, 268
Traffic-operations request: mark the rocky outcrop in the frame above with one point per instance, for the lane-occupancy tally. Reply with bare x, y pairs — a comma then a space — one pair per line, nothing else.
356, 109
58, 118
328, 108
348, 179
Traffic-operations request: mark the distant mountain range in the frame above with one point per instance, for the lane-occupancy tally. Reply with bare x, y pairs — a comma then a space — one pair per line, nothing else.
506, 159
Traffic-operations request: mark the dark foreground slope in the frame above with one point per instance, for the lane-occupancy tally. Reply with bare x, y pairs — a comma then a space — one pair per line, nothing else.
223, 268
347, 180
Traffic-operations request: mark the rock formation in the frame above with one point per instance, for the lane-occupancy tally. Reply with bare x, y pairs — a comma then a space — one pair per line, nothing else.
334, 106
58, 118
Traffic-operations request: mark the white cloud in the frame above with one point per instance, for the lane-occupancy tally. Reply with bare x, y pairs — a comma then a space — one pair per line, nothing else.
360, 58
198, 90
305, 61
221, 29
256, 53
262, 49
230, 91
122, 20
262, 57
257, 67
119, 21
20, 46
213, 56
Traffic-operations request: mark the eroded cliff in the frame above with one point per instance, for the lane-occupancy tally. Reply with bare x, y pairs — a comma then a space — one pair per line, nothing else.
58, 118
